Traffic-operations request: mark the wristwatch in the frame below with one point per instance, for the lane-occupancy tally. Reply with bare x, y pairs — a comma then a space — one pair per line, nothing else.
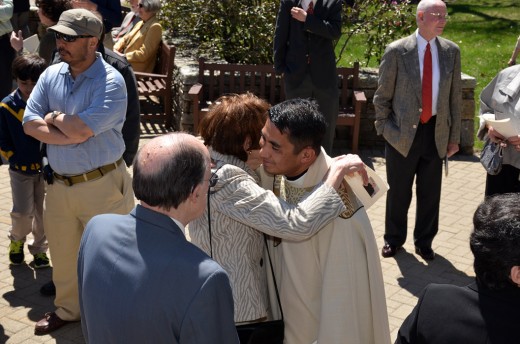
54, 115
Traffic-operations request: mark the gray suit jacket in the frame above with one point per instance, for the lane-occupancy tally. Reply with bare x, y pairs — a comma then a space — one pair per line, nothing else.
398, 97
141, 281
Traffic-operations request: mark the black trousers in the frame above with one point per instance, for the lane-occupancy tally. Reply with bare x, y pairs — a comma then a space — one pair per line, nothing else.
6, 60
328, 103
504, 182
423, 164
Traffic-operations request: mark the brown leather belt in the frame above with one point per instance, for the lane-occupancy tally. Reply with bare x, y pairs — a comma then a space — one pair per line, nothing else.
85, 177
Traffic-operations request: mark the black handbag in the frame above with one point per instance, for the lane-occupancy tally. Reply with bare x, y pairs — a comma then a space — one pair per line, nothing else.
491, 157
267, 332
264, 332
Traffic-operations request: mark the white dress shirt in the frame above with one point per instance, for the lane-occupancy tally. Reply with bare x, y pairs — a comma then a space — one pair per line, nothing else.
421, 46
305, 3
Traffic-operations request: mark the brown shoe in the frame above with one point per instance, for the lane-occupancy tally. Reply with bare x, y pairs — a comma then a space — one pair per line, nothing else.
50, 322
389, 250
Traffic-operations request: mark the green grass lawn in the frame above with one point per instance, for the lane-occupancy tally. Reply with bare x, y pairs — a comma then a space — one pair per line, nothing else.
485, 30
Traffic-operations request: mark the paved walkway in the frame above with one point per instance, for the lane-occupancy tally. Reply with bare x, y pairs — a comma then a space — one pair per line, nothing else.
21, 305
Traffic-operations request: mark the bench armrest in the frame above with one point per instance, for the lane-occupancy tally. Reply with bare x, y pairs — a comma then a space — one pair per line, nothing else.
359, 100
195, 94
195, 90
139, 75
359, 96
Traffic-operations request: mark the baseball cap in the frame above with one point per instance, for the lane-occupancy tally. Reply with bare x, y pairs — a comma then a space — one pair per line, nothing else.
78, 21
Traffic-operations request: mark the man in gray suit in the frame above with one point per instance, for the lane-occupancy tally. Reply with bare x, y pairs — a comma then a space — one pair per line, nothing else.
420, 123
140, 280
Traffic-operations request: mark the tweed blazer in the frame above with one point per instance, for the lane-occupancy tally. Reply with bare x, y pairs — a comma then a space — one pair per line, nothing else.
398, 99
140, 45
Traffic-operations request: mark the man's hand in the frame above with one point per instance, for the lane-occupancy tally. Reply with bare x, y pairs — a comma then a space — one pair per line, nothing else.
299, 14
17, 40
342, 165
452, 149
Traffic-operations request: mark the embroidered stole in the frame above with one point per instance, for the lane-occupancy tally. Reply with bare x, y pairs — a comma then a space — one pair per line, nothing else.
293, 195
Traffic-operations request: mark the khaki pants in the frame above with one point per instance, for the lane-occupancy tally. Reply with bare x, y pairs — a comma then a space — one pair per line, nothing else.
67, 211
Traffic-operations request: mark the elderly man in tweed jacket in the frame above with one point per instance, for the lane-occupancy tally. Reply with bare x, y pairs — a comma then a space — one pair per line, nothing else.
415, 145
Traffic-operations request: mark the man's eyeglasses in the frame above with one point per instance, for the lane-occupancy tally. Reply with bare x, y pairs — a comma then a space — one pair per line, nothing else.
439, 16
69, 38
213, 179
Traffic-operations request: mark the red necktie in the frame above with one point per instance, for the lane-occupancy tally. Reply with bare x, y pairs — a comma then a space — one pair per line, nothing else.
427, 86
310, 9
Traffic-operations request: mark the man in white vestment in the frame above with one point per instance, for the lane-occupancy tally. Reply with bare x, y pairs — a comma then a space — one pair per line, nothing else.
331, 285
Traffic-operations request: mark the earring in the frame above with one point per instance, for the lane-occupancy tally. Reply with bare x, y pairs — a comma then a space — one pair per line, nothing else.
249, 152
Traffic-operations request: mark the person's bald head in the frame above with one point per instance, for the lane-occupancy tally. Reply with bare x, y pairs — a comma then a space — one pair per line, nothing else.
168, 168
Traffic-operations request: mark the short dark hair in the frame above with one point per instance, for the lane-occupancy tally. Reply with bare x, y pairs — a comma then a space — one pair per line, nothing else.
231, 120
301, 120
28, 67
53, 9
495, 241
175, 177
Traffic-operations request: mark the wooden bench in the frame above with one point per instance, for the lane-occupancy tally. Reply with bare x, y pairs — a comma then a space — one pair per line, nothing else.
155, 89
217, 79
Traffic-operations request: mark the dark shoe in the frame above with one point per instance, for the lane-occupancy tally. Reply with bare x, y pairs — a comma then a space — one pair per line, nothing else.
50, 322
16, 256
389, 250
425, 252
48, 289
41, 261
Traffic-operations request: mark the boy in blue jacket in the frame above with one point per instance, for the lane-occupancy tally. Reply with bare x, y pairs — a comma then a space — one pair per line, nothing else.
25, 170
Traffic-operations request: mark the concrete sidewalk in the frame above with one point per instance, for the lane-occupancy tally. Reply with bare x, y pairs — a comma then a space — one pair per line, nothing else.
21, 305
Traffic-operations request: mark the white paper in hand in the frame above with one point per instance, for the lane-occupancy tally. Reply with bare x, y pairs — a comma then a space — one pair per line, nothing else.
503, 126
369, 194
31, 43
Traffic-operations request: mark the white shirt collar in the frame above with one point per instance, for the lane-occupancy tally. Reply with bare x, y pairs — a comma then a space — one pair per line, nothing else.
305, 3
181, 226
421, 42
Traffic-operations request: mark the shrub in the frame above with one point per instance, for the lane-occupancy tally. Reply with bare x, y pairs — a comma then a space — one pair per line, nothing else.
381, 22
241, 31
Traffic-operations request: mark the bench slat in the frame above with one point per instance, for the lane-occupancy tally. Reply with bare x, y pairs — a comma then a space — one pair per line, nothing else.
263, 81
